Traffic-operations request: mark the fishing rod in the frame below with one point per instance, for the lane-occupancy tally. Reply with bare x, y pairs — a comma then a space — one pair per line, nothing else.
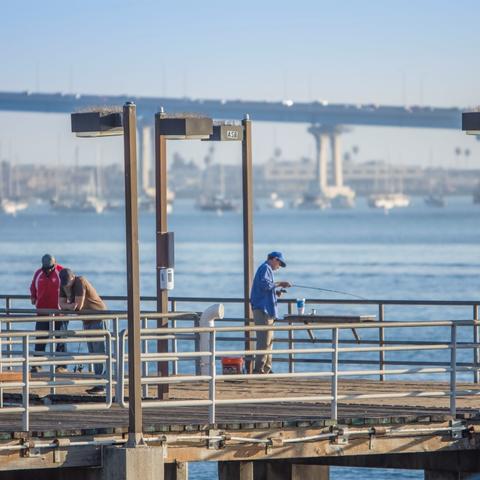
328, 290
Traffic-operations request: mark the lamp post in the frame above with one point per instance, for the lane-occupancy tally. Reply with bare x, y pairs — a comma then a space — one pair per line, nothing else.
224, 131
107, 122
169, 127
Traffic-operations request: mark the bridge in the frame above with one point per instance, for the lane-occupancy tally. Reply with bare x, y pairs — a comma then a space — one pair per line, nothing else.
317, 113
327, 122
382, 398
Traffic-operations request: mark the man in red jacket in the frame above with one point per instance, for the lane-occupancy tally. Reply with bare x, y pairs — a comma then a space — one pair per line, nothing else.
44, 291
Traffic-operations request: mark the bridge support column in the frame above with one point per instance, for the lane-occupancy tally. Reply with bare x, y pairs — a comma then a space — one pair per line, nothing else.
140, 463
337, 159
271, 470
321, 165
235, 471
176, 471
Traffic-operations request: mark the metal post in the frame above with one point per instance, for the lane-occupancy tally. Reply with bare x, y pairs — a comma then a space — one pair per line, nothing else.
145, 364
51, 348
453, 371
109, 364
118, 359
26, 386
213, 373
381, 340
161, 228
9, 345
476, 350
334, 413
173, 308
133, 276
196, 324
291, 342
247, 197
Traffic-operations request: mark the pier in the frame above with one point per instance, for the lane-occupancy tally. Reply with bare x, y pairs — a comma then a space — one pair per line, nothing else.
382, 400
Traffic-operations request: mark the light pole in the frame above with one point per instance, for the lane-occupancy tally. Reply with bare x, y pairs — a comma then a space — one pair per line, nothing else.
107, 122
173, 127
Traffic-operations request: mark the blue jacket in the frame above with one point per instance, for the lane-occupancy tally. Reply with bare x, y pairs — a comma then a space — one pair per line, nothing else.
262, 296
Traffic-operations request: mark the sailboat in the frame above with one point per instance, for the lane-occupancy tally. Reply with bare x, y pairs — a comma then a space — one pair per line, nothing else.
10, 200
434, 200
12, 207
84, 202
387, 201
214, 201
275, 201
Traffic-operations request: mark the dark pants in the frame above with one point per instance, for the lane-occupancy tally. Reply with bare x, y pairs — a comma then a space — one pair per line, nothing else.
96, 347
44, 327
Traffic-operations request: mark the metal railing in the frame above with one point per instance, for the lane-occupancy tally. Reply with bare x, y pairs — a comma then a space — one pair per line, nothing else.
334, 374
377, 306
327, 356
22, 359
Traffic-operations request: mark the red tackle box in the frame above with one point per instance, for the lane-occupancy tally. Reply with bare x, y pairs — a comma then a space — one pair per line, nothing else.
232, 365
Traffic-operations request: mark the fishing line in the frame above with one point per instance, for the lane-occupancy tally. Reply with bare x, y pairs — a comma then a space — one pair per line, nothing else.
328, 290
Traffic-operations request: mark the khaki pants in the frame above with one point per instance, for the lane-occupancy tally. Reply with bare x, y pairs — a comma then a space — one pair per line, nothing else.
263, 362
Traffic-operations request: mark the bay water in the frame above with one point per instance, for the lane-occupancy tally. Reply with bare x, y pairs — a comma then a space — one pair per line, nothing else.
414, 253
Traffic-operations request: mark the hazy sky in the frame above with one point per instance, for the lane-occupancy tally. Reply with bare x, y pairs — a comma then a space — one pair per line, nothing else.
354, 51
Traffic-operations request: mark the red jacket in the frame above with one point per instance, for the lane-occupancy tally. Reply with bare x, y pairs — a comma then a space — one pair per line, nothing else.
44, 288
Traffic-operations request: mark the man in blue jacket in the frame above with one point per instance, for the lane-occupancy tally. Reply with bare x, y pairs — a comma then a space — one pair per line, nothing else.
263, 299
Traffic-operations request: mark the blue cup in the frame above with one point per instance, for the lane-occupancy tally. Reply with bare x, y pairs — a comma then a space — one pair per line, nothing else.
300, 306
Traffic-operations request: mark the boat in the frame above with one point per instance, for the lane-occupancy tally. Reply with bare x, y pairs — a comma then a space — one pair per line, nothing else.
311, 201
88, 204
275, 201
343, 201
12, 207
147, 202
433, 200
215, 203
388, 201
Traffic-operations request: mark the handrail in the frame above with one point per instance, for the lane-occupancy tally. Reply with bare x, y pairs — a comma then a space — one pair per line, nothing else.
450, 345
332, 301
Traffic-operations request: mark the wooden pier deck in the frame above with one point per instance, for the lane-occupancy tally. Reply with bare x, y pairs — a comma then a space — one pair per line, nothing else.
408, 426
351, 412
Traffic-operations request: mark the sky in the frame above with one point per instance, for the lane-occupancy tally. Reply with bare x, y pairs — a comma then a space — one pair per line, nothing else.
354, 51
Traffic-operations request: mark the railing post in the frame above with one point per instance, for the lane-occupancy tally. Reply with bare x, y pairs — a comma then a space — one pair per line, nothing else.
173, 308
476, 351
334, 392
26, 386
117, 357
453, 371
108, 342
291, 342
8, 328
120, 390
196, 324
145, 364
51, 349
213, 373
381, 340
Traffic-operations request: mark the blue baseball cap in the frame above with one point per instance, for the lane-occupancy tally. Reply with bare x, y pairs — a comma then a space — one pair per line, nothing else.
279, 256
